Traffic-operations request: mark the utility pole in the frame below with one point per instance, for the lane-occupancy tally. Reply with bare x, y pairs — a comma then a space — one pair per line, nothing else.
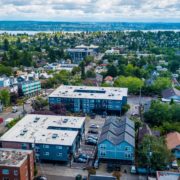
140, 105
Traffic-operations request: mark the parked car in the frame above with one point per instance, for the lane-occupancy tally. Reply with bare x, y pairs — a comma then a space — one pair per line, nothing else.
91, 141
14, 109
92, 131
84, 156
133, 169
174, 164
94, 126
96, 164
93, 137
92, 116
104, 115
81, 160
41, 178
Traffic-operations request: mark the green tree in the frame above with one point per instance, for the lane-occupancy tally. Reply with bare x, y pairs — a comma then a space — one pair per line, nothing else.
160, 156
6, 44
158, 113
161, 83
82, 65
5, 97
5, 70
132, 83
112, 71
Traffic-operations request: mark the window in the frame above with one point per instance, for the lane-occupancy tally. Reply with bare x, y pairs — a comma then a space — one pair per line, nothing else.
59, 154
102, 153
46, 146
103, 146
5, 171
127, 155
127, 148
46, 153
59, 147
15, 172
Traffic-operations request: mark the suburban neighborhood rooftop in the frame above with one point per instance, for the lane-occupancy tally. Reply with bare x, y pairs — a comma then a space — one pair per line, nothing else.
90, 92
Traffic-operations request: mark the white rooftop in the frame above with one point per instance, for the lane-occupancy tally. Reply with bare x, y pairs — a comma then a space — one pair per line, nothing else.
13, 157
90, 92
35, 128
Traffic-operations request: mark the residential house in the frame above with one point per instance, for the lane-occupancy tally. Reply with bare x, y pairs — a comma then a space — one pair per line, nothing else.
173, 143
117, 140
108, 80
4, 82
171, 93
146, 130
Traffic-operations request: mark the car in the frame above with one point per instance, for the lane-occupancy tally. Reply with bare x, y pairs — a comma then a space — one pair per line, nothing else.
96, 164
104, 115
41, 178
14, 109
92, 131
81, 160
91, 142
95, 126
84, 156
174, 164
93, 137
92, 116
133, 169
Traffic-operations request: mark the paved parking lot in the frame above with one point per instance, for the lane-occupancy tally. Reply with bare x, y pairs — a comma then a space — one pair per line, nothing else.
89, 150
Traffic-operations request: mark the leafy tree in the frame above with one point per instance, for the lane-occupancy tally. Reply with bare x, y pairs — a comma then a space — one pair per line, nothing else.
117, 174
5, 97
132, 83
112, 71
82, 65
39, 104
160, 156
158, 113
88, 60
6, 44
161, 83
90, 74
5, 70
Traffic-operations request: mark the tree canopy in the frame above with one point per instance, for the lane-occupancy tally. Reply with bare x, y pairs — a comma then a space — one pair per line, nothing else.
132, 83
153, 152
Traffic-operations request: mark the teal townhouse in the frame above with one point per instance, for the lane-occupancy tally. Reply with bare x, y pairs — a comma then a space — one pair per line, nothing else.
53, 138
29, 88
89, 99
117, 140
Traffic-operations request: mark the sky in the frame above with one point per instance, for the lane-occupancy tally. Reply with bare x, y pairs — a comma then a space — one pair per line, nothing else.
91, 10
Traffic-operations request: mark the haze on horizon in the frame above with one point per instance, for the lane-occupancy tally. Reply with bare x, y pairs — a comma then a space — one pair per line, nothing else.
91, 10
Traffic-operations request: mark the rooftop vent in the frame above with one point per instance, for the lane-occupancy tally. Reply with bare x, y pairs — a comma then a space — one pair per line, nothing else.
65, 120
54, 136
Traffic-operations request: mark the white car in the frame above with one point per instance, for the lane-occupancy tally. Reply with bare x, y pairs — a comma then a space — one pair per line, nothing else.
174, 164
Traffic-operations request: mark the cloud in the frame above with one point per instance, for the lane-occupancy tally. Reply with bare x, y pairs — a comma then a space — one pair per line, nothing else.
90, 10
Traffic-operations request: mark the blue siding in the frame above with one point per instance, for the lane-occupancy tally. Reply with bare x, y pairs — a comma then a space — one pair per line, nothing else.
177, 152
89, 105
123, 151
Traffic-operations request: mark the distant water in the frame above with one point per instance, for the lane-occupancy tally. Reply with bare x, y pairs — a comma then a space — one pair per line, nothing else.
33, 27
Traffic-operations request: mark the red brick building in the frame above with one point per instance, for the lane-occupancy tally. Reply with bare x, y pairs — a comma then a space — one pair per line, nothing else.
16, 164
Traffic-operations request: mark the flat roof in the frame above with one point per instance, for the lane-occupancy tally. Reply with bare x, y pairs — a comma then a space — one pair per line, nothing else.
90, 92
13, 157
34, 128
